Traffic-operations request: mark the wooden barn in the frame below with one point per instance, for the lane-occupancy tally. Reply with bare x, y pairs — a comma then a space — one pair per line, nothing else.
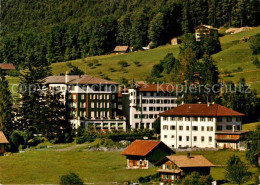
121, 49
143, 154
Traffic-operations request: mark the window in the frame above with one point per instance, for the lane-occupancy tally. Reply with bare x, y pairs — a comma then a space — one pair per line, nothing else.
164, 118
209, 128
210, 119
172, 118
165, 136
229, 127
202, 119
202, 139
82, 96
136, 125
219, 119
238, 127
229, 119
210, 139
144, 108
195, 119
187, 128
147, 125
165, 176
238, 119
74, 97
180, 138
187, 138
202, 128
172, 127
136, 115
165, 127
180, 127
172, 136
219, 128
195, 128
180, 118
195, 138
187, 118
142, 126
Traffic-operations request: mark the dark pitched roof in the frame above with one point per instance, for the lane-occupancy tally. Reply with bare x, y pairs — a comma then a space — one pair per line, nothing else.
142, 147
7, 66
201, 110
183, 161
3, 139
76, 79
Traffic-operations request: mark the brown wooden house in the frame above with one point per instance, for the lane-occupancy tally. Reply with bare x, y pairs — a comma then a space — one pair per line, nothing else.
143, 154
204, 31
3, 142
176, 167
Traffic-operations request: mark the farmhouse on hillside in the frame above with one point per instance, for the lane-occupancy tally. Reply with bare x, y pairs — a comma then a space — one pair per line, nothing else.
176, 167
3, 142
203, 126
7, 67
121, 49
204, 31
143, 154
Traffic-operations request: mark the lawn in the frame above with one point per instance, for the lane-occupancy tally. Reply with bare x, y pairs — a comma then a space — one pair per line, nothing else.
46, 166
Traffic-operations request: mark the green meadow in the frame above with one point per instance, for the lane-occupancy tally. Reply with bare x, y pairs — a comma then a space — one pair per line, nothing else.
46, 166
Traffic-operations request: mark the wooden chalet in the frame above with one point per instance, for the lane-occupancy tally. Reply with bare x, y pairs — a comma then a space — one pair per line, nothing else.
3, 142
203, 31
176, 167
143, 154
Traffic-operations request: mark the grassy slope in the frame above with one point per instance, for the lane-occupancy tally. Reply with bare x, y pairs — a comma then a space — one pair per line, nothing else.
98, 167
233, 55
250, 126
146, 58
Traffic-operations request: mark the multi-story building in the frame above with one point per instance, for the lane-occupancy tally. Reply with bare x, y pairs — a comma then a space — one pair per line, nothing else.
201, 125
143, 103
91, 101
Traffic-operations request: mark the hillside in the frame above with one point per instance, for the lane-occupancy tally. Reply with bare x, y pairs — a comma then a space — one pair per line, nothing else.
233, 55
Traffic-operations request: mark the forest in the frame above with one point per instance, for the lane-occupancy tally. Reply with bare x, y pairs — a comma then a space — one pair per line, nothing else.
60, 30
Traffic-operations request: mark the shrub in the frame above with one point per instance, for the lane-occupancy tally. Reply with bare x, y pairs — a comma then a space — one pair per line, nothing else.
111, 69
123, 63
70, 179
137, 63
15, 140
256, 62
35, 141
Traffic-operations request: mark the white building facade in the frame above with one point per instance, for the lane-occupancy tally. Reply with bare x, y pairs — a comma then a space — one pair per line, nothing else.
196, 125
146, 102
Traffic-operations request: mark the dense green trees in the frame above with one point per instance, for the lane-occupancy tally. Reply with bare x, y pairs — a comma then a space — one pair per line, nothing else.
253, 146
236, 170
65, 30
5, 105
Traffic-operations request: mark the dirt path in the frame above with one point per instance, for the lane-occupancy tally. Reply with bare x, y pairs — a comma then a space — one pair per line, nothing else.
71, 148
255, 70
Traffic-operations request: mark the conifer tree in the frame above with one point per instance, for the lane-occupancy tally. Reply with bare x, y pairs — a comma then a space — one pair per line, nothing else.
5, 105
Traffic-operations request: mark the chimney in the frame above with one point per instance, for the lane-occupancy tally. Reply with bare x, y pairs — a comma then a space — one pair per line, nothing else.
188, 155
66, 78
234, 128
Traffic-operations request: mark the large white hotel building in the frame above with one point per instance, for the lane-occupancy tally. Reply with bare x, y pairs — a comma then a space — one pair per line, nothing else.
201, 125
